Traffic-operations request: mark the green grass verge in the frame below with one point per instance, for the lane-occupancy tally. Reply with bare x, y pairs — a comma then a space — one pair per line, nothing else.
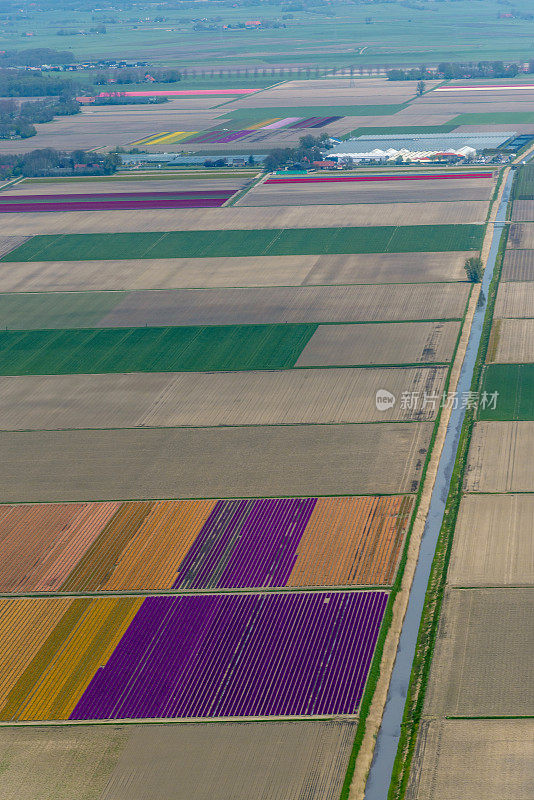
401, 130
188, 348
252, 115
289, 241
514, 384
508, 118
436, 586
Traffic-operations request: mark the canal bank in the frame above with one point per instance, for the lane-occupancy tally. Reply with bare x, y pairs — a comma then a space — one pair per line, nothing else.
390, 729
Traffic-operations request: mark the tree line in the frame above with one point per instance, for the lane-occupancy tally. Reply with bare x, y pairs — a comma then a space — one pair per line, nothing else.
17, 119
49, 162
450, 70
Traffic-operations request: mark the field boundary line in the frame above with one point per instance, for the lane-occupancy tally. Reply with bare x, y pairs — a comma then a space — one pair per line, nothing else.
376, 710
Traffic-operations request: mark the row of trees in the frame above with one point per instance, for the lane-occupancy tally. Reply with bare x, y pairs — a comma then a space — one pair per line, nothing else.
46, 162
17, 119
24, 83
450, 70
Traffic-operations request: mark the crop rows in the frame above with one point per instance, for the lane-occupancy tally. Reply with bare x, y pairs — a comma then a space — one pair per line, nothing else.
201, 544
209, 198
380, 178
168, 349
227, 655
254, 242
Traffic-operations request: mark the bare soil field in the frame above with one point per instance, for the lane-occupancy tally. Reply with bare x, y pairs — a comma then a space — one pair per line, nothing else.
281, 304
331, 92
518, 265
512, 341
500, 458
235, 218
523, 211
483, 662
110, 186
190, 273
310, 193
498, 763
198, 399
117, 125
409, 342
493, 543
8, 243
55, 310
265, 760
290, 460
515, 299
521, 234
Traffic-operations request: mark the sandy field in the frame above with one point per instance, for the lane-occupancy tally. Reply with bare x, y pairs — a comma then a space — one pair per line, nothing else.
523, 211
331, 92
409, 342
235, 218
498, 763
110, 186
515, 299
512, 341
521, 235
280, 304
518, 265
103, 126
199, 399
500, 458
266, 194
232, 761
190, 273
493, 543
55, 310
300, 460
483, 662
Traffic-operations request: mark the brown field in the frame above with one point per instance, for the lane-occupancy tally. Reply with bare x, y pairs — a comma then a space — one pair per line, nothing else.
521, 235
498, 764
518, 265
46, 682
352, 541
229, 761
515, 299
9, 243
523, 211
482, 663
103, 126
109, 185
140, 545
500, 458
409, 342
235, 218
204, 273
200, 399
493, 543
334, 91
381, 193
512, 341
281, 304
291, 460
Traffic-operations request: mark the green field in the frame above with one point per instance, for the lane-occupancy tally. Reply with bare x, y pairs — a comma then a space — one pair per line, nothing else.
509, 118
400, 130
290, 241
249, 116
515, 385
523, 187
333, 34
194, 348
